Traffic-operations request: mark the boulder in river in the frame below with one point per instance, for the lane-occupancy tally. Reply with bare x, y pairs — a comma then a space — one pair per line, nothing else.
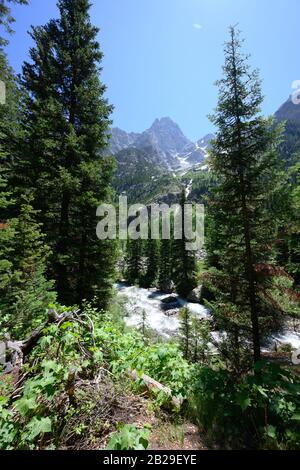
170, 303
168, 287
171, 299
172, 312
195, 295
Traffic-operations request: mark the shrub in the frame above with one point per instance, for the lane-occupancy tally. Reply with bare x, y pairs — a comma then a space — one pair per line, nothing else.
257, 410
129, 438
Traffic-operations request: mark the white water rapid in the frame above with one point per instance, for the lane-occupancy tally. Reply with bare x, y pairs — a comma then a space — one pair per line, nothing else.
163, 319
164, 322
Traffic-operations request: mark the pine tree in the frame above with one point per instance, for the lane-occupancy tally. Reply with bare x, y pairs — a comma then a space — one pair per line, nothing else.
184, 261
143, 325
293, 264
30, 292
185, 331
11, 273
6, 19
194, 336
67, 127
8, 110
6, 232
134, 261
245, 163
200, 339
10, 129
25, 292
165, 265
152, 263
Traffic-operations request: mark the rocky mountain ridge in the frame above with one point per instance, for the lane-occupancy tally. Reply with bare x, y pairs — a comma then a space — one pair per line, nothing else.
164, 142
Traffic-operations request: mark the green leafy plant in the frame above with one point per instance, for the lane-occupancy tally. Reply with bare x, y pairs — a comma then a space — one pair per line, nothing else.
256, 410
130, 438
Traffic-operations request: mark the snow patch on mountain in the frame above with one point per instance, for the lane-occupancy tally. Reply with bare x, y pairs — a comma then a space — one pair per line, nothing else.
165, 144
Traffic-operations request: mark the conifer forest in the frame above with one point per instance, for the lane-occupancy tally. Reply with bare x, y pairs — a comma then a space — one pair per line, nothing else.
132, 335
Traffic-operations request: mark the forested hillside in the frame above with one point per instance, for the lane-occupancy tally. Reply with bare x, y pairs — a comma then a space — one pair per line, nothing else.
140, 343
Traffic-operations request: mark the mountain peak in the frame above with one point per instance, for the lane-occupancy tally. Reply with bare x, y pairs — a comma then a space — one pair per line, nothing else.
166, 134
289, 111
164, 122
164, 142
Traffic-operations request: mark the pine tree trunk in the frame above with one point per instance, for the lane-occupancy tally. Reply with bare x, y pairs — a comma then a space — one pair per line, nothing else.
81, 271
62, 248
251, 281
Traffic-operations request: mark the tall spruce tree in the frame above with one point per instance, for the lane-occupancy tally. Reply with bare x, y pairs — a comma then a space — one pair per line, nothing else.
67, 124
6, 18
134, 261
7, 125
293, 264
10, 117
165, 265
245, 163
184, 261
24, 290
185, 332
6, 232
29, 292
152, 263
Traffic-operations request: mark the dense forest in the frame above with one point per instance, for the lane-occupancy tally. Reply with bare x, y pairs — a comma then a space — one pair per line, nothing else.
75, 373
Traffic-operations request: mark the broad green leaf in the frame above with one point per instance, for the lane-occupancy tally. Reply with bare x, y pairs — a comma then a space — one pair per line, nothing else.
271, 432
38, 426
243, 400
24, 405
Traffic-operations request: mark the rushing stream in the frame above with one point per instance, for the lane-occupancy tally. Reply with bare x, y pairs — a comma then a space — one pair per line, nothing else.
163, 318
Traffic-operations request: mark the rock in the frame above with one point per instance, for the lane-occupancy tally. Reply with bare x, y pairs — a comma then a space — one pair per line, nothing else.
170, 300
172, 313
168, 287
170, 307
195, 295
206, 294
8, 368
170, 303
201, 255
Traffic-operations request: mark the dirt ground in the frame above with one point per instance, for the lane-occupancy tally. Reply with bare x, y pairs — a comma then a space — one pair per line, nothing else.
166, 434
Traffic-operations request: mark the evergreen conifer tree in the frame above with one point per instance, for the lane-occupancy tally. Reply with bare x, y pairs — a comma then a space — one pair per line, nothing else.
293, 264
165, 264
6, 18
29, 292
24, 290
184, 261
152, 263
66, 124
185, 331
245, 163
134, 261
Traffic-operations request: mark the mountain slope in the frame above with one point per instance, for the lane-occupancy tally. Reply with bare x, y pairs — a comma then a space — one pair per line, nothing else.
290, 113
150, 164
142, 178
154, 165
165, 143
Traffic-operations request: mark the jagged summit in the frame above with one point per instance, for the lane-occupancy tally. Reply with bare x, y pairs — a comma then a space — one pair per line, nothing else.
164, 141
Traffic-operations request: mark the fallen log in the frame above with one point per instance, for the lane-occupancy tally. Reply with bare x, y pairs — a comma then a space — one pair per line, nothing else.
20, 349
153, 384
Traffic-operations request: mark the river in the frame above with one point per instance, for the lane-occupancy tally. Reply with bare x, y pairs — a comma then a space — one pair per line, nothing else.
166, 322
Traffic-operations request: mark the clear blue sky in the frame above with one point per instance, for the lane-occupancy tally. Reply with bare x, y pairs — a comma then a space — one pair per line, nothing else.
163, 56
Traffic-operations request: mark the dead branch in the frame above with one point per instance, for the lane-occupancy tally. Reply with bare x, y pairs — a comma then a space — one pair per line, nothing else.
153, 384
21, 349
